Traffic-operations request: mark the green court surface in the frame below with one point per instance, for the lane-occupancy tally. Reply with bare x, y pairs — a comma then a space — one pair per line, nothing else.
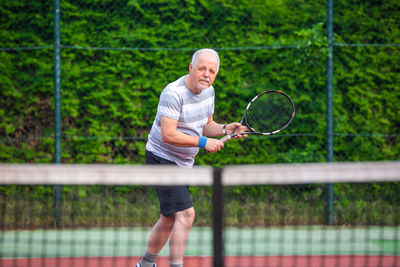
273, 241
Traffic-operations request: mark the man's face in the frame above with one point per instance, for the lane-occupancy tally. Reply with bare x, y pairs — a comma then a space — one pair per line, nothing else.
202, 74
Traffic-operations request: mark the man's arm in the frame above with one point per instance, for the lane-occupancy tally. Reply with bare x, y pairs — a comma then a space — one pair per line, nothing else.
214, 129
170, 135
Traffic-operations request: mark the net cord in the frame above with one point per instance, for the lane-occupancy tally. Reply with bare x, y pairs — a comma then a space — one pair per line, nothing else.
304, 173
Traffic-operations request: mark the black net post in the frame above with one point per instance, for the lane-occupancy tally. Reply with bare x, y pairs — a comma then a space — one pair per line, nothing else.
218, 247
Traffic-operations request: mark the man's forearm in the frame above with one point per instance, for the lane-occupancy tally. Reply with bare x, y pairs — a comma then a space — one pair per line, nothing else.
213, 129
180, 139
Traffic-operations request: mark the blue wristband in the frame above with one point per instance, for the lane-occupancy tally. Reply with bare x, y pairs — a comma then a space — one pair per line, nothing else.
202, 142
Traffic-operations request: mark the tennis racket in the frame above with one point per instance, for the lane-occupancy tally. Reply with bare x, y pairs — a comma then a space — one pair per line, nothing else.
267, 113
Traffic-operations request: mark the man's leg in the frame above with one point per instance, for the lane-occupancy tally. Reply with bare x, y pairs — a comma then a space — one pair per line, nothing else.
160, 234
177, 229
162, 229
179, 234
158, 237
173, 224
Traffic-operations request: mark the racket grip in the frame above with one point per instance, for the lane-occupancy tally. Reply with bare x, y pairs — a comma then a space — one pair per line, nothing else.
226, 138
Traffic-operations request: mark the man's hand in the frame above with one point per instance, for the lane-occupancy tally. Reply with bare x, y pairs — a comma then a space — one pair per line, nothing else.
213, 145
240, 129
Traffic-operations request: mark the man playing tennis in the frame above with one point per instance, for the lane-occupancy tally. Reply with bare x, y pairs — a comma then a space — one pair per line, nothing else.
184, 115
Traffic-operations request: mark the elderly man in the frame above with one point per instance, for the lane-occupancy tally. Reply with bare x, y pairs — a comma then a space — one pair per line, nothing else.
184, 119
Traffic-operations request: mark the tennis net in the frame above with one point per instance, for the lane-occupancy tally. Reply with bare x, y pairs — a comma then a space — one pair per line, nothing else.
246, 216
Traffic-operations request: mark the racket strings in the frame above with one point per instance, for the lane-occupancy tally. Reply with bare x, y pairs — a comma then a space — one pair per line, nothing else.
269, 112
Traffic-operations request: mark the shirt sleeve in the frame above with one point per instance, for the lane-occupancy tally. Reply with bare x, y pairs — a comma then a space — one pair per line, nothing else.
170, 105
211, 111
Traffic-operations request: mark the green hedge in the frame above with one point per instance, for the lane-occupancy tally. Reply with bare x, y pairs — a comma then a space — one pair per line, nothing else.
117, 56
31, 207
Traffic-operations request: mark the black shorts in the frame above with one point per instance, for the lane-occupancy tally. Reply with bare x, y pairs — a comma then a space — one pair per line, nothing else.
172, 198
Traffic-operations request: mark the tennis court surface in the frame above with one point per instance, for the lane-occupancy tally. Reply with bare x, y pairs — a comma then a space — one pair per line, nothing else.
272, 215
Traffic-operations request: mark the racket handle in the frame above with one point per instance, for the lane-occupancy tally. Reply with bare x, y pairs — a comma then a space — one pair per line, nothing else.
226, 138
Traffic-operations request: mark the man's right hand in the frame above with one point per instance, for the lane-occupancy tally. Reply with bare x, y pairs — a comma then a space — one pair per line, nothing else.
213, 145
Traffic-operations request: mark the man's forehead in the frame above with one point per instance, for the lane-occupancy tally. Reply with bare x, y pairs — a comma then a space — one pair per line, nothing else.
209, 59
208, 56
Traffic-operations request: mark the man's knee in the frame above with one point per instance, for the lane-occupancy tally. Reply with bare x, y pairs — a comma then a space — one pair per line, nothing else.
166, 222
185, 217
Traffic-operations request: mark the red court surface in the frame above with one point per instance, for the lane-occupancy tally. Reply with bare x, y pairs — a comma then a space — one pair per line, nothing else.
203, 261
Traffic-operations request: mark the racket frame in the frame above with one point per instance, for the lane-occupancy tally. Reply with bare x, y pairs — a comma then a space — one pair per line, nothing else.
244, 122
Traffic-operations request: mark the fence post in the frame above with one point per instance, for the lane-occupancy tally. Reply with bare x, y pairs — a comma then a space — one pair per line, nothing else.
57, 107
329, 106
217, 203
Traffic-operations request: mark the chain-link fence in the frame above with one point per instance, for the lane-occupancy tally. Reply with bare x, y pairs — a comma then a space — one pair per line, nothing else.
117, 56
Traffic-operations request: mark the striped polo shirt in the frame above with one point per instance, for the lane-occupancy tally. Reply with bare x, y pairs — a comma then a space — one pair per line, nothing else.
191, 111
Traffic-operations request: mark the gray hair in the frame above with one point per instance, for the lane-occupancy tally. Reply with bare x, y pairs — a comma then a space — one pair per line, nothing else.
197, 54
